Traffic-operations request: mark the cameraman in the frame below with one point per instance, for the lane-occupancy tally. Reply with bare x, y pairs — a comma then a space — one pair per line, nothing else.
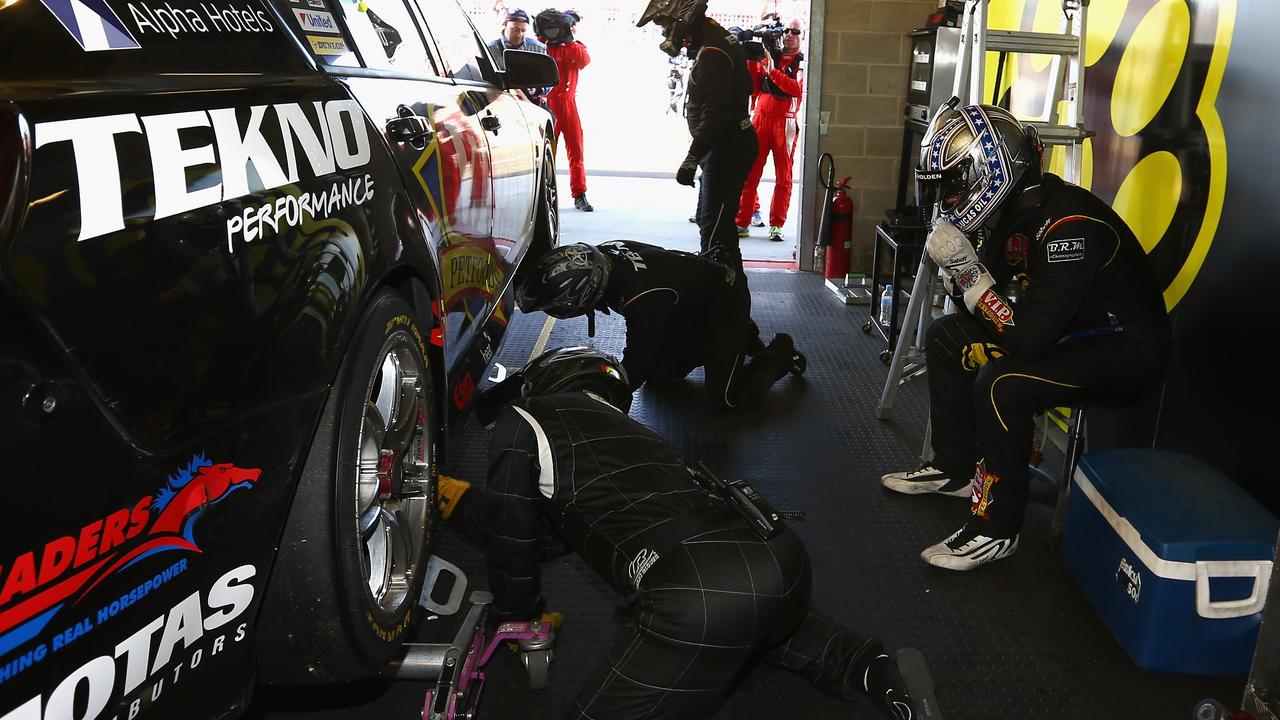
556, 29
724, 143
778, 76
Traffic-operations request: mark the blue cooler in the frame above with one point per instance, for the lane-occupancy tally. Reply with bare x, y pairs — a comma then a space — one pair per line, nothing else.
1175, 557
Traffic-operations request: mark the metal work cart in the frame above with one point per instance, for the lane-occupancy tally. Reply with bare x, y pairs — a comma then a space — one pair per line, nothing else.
904, 243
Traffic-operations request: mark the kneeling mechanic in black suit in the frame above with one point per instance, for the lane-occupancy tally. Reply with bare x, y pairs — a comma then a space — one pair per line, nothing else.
682, 311
707, 592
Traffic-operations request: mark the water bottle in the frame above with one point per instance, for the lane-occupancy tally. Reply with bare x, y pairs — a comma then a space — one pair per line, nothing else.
886, 306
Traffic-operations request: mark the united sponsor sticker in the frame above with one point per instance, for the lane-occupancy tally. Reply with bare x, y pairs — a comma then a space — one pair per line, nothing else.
327, 45
1065, 250
316, 21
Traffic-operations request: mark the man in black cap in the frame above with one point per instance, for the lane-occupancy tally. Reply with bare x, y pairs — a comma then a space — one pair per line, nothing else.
516, 36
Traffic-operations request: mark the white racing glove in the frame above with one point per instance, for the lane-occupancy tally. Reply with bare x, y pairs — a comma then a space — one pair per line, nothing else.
959, 263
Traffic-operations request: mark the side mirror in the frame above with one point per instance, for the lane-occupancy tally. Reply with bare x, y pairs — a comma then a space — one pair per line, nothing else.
527, 70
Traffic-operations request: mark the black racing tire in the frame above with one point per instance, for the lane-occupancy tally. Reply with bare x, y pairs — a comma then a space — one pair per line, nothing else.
546, 227
348, 575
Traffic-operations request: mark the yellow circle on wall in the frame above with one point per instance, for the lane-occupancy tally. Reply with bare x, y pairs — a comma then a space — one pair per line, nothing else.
1104, 21
1150, 66
1148, 197
1045, 21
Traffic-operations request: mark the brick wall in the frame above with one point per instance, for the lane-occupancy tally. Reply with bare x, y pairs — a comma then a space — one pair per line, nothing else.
864, 87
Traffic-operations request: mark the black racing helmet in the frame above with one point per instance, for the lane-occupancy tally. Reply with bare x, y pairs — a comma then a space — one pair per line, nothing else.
561, 370
567, 282
678, 18
572, 369
973, 159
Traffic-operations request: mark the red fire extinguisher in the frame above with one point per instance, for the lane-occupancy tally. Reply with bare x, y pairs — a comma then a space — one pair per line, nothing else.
841, 232
831, 251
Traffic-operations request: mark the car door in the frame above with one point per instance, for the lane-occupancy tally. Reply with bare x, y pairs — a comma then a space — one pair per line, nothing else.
436, 131
514, 146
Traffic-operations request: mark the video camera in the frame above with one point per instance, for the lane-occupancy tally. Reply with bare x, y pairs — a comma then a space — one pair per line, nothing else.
553, 26
764, 37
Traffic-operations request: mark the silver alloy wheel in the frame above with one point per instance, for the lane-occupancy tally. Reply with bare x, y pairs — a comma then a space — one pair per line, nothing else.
392, 497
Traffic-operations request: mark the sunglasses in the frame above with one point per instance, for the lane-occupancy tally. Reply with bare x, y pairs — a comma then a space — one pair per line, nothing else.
793, 31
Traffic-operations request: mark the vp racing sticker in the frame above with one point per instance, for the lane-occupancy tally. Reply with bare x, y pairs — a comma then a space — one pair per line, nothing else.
47, 598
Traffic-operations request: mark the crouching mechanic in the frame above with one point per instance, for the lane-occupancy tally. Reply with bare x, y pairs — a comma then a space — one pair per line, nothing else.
1088, 326
682, 311
706, 593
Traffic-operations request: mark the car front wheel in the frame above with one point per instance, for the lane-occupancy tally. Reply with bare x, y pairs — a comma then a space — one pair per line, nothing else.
351, 562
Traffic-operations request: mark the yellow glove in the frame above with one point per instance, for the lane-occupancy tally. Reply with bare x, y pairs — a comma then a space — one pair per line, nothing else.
449, 490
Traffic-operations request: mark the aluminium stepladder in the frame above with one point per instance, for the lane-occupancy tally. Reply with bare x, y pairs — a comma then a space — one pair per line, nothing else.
1066, 84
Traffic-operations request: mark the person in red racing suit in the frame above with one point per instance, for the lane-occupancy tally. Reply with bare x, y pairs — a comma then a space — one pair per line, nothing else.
780, 82
571, 57
682, 311
1088, 326
705, 593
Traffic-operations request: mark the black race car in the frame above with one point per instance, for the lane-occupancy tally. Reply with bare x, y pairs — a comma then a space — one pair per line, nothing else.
255, 256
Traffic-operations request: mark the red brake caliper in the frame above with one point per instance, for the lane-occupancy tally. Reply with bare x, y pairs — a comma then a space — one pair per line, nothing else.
386, 458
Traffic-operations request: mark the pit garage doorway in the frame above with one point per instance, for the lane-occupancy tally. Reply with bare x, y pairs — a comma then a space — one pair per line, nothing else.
635, 134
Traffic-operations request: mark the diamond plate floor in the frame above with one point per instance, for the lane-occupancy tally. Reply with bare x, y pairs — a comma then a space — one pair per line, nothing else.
1014, 640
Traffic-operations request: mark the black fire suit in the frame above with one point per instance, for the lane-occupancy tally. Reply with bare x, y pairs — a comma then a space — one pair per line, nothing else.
683, 311
724, 142
1088, 327
705, 594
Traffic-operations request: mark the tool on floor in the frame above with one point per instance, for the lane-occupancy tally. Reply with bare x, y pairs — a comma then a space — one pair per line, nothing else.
915, 673
455, 668
1065, 96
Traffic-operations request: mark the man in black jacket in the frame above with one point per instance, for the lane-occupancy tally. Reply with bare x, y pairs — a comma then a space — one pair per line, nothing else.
706, 593
682, 311
724, 142
1088, 326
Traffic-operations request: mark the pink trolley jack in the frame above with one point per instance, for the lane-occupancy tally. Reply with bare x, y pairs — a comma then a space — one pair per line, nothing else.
455, 668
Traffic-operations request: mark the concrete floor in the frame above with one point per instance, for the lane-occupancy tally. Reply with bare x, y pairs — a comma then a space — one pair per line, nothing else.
656, 210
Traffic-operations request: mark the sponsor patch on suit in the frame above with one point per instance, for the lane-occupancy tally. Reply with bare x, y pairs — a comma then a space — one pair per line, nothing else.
1065, 250
995, 309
